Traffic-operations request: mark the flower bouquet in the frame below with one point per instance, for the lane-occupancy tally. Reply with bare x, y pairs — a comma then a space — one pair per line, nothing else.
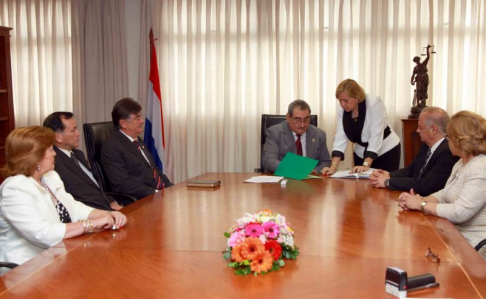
259, 242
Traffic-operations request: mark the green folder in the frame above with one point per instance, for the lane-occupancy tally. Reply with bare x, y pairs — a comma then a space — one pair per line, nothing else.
295, 167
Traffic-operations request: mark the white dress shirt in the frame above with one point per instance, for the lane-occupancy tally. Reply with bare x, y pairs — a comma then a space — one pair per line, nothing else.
86, 170
433, 148
302, 141
132, 140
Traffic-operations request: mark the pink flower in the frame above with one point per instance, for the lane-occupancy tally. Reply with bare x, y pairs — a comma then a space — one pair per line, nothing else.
236, 238
271, 229
254, 230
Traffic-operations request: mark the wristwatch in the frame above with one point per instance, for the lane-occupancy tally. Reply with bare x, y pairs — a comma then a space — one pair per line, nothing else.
422, 206
367, 164
387, 183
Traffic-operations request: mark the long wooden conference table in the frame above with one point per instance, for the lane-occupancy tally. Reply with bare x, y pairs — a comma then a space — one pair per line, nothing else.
348, 234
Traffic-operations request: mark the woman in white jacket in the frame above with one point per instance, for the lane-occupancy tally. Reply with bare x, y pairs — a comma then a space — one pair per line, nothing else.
36, 212
363, 121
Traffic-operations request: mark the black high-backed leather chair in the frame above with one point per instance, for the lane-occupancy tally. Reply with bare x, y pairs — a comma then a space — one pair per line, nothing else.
269, 120
94, 135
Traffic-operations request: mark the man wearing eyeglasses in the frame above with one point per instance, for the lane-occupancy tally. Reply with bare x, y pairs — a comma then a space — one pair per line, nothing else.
295, 135
128, 165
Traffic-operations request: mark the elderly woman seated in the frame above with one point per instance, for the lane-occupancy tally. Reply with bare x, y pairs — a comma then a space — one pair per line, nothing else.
35, 210
463, 199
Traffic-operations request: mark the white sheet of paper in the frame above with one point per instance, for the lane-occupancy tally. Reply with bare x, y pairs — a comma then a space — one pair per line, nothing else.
264, 179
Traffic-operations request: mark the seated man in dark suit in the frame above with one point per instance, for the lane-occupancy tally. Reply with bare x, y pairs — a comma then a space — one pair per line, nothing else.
129, 166
71, 165
295, 135
433, 164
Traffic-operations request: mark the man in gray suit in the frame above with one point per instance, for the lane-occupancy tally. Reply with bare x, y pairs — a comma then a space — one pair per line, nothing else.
295, 135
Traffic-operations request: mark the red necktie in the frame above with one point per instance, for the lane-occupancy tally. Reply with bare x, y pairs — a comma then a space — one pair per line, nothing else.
298, 145
160, 183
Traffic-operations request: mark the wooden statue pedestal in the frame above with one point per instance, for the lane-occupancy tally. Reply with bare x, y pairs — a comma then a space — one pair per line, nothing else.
411, 140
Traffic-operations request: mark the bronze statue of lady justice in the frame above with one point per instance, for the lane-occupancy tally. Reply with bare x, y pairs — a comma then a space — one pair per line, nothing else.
420, 79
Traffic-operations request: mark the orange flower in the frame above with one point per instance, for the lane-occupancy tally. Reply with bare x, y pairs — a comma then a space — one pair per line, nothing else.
262, 262
250, 247
266, 212
236, 254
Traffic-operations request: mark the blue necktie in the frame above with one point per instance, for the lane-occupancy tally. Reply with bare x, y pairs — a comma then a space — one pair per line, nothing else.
429, 152
73, 157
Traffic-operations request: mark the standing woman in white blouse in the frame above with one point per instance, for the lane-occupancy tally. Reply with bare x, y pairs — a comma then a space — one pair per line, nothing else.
36, 212
463, 199
363, 121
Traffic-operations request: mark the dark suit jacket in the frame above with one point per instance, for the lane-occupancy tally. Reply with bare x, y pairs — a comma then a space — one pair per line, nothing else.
280, 140
435, 174
126, 168
78, 183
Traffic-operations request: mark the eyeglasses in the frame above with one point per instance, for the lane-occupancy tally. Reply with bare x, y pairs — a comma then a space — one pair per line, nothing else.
298, 120
135, 117
432, 256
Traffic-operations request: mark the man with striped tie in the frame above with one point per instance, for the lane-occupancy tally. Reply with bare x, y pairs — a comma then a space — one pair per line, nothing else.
433, 164
129, 166
72, 167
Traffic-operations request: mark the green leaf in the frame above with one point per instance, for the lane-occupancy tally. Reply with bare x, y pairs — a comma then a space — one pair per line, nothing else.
227, 235
227, 255
281, 263
245, 262
290, 253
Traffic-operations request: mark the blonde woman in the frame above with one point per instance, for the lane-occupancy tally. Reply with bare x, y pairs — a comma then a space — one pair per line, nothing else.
363, 121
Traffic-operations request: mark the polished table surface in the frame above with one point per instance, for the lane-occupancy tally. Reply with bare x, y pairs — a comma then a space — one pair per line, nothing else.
348, 233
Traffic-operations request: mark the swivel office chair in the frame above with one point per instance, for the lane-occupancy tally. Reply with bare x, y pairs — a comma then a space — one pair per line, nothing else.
95, 134
269, 120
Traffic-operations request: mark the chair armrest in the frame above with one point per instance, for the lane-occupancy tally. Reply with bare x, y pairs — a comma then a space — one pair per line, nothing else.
122, 198
481, 244
7, 265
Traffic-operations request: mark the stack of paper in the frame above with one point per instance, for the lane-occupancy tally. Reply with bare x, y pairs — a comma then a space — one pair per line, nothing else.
264, 179
346, 174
